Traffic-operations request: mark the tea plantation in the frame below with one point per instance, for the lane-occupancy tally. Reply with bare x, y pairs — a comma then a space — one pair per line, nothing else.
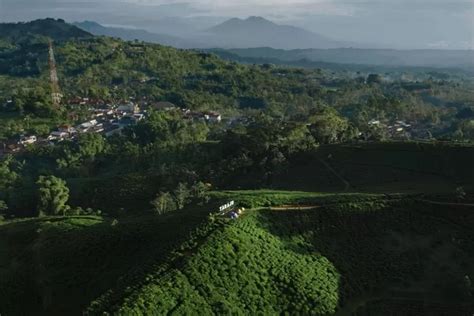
397, 256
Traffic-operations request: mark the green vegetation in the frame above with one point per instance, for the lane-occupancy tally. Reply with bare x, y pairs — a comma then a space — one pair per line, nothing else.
53, 196
110, 69
57, 265
344, 213
340, 257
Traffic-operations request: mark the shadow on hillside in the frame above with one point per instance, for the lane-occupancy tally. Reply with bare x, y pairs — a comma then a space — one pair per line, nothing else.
59, 265
380, 167
403, 252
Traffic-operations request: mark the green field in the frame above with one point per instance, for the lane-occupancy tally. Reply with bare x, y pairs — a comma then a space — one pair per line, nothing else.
320, 254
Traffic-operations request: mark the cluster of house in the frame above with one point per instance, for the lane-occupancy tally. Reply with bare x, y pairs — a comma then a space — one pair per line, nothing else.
398, 128
106, 119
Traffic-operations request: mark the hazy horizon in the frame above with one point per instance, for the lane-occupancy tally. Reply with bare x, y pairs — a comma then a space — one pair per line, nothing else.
406, 24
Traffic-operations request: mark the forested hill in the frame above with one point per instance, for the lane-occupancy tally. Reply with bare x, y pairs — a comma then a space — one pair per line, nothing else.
353, 56
54, 29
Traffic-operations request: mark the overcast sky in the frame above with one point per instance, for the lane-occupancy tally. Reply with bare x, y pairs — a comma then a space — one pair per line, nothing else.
388, 23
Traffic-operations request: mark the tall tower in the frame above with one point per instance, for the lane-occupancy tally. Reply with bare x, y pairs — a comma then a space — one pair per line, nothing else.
53, 74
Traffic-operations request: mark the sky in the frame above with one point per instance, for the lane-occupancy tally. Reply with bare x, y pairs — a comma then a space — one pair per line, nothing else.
447, 24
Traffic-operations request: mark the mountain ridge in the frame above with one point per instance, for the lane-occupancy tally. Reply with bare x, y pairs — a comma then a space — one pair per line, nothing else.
135, 34
256, 31
56, 29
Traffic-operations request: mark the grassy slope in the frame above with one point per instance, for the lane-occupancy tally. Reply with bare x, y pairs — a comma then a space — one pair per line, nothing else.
371, 255
56, 266
332, 258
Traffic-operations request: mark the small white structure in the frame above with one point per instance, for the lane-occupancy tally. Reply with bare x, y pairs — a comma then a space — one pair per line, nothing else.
27, 140
213, 117
57, 135
139, 116
85, 127
226, 206
374, 123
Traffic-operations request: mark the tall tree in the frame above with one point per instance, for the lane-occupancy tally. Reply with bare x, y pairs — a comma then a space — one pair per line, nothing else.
163, 203
53, 195
182, 195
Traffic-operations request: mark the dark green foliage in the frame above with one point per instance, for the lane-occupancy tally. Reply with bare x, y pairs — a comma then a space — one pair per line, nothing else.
8, 176
59, 265
311, 261
164, 203
53, 195
3, 207
182, 195
78, 157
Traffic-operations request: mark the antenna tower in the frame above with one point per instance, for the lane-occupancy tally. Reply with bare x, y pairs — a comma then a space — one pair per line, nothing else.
53, 74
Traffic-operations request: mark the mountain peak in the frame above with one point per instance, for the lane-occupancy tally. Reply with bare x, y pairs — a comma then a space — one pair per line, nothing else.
258, 19
256, 31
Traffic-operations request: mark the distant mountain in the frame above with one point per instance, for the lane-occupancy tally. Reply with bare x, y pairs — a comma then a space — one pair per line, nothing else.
376, 57
135, 34
234, 33
259, 32
55, 29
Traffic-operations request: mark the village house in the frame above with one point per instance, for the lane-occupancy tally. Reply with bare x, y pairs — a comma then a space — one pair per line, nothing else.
213, 117
27, 140
85, 127
58, 135
374, 122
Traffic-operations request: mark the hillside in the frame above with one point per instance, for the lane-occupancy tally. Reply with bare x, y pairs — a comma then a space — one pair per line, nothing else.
365, 257
259, 32
57, 266
390, 253
383, 167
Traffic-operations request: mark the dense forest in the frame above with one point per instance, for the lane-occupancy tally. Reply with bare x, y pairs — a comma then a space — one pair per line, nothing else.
108, 200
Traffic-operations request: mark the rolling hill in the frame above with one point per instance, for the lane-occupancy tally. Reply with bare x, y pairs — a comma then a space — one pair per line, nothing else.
52, 28
367, 258
135, 34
